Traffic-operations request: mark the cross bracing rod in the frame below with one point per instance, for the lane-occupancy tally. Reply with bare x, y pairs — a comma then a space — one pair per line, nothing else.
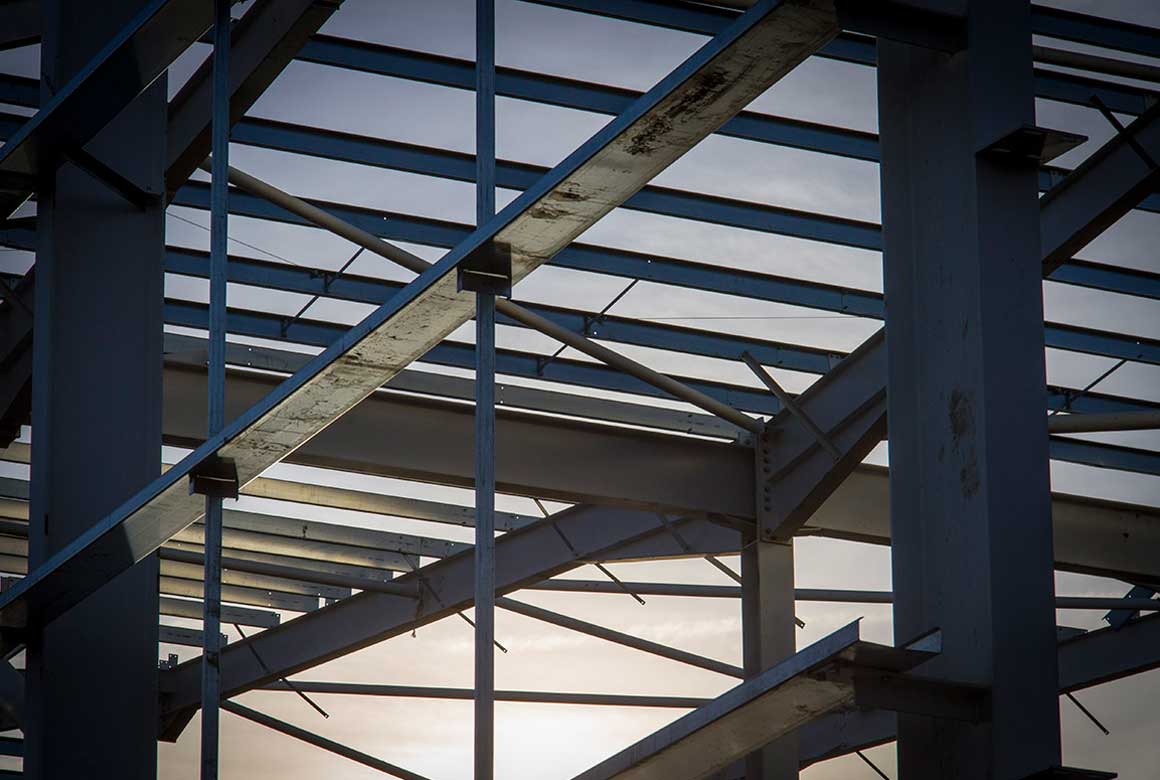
506, 307
320, 742
710, 87
701, 276
619, 637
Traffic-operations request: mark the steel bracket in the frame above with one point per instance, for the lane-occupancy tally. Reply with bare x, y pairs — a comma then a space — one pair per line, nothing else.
1032, 145
215, 476
488, 269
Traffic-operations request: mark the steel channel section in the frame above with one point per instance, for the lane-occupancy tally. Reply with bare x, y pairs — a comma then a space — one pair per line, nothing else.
484, 705
96, 447
215, 394
698, 276
445, 71
970, 508
683, 108
860, 49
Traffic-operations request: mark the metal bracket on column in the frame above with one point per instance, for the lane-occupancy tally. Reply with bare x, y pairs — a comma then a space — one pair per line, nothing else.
488, 269
215, 477
1032, 145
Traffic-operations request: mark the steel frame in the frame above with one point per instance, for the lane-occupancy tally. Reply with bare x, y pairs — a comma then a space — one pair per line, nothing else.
752, 490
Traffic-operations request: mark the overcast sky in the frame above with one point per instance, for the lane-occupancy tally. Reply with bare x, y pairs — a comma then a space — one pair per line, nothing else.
433, 738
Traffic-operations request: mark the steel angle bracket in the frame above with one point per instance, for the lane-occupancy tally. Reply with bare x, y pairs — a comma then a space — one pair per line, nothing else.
1032, 145
487, 269
215, 476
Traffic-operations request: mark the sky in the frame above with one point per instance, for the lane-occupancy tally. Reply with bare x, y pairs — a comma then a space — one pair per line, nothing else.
433, 738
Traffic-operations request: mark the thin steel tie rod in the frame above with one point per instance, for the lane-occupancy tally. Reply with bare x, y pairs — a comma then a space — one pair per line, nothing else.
418, 265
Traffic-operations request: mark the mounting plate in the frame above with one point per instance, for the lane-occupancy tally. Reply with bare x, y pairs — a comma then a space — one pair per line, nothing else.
1033, 145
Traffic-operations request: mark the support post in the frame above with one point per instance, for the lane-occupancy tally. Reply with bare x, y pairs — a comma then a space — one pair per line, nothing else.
216, 390
484, 402
767, 617
969, 484
99, 260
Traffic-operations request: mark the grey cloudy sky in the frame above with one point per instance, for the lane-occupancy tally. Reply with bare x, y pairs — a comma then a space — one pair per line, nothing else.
549, 741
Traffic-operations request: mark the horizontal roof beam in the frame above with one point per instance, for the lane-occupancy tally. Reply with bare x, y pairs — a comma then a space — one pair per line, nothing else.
696, 276
582, 462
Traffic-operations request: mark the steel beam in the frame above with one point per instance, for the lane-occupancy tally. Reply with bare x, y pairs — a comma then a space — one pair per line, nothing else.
1087, 660
263, 43
1109, 183
848, 406
620, 466
777, 702
970, 488
191, 609
589, 463
710, 87
94, 93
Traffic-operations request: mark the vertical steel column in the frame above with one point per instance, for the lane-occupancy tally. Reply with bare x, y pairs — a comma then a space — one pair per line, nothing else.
767, 636
969, 484
484, 403
219, 231
91, 677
